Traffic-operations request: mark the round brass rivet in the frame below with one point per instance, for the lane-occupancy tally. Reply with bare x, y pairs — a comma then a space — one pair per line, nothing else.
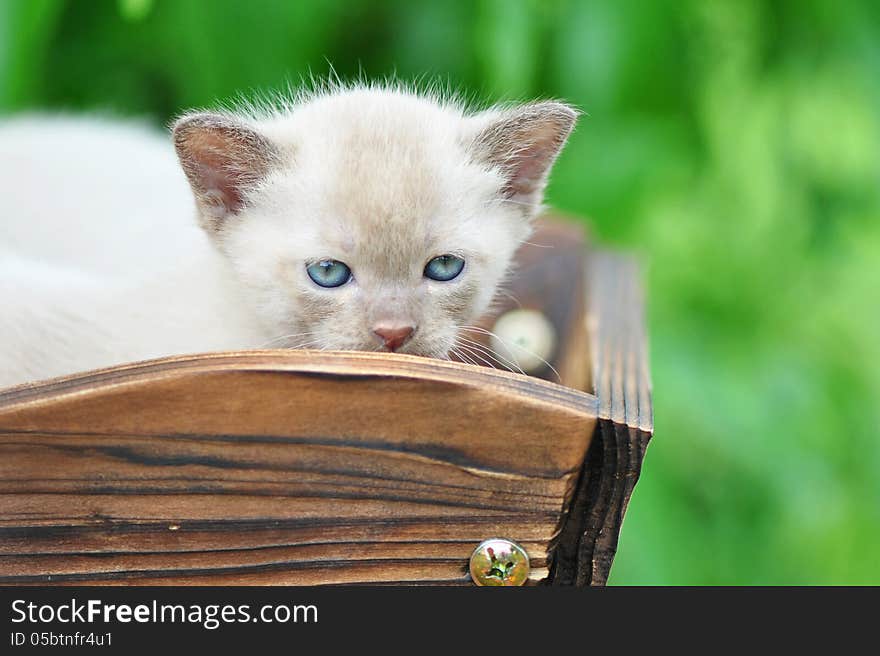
499, 562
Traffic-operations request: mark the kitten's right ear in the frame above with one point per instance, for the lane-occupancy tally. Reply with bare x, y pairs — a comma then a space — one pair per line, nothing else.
522, 143
223, 159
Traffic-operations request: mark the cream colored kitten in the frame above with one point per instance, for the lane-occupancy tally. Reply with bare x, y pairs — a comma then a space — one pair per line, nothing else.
367, 218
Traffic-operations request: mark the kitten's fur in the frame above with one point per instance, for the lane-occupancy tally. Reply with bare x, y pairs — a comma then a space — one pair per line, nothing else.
100, 262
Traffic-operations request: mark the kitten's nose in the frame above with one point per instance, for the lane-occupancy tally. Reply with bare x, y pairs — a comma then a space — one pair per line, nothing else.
393, 336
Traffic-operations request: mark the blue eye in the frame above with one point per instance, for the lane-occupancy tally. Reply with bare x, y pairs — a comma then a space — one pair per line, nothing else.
444, 267
329, 273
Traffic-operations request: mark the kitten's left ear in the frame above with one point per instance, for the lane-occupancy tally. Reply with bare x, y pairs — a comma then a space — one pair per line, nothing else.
523, 143
223, 159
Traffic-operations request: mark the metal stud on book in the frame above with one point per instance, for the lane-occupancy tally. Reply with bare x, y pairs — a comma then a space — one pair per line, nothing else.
525, 339
499, 562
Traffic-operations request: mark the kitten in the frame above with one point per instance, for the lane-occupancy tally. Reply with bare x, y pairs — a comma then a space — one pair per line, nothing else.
360, 218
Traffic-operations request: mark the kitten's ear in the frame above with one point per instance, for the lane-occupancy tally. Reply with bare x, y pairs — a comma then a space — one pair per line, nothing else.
523, 142
222, 158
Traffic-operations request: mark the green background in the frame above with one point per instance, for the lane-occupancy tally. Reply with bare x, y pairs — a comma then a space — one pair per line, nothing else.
735, 145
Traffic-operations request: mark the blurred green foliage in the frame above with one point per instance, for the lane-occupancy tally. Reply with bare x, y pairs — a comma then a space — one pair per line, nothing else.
736, 145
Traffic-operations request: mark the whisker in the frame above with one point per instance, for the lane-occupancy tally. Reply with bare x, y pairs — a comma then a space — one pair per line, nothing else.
502, 292
304, 345
477, 356
282, 337
459, 354
466, 355
497, 357
483, 331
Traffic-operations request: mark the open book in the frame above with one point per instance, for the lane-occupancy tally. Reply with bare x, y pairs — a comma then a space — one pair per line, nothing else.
303, 467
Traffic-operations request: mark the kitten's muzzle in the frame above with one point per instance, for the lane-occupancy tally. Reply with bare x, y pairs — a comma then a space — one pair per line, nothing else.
393, 336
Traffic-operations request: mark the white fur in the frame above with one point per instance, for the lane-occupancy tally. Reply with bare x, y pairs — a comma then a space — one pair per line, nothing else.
100, 259
102, 262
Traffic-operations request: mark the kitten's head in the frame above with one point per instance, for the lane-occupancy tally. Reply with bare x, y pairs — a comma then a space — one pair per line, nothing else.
371, 219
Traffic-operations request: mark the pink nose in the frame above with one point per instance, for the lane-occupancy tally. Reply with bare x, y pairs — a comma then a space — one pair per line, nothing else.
393, 336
